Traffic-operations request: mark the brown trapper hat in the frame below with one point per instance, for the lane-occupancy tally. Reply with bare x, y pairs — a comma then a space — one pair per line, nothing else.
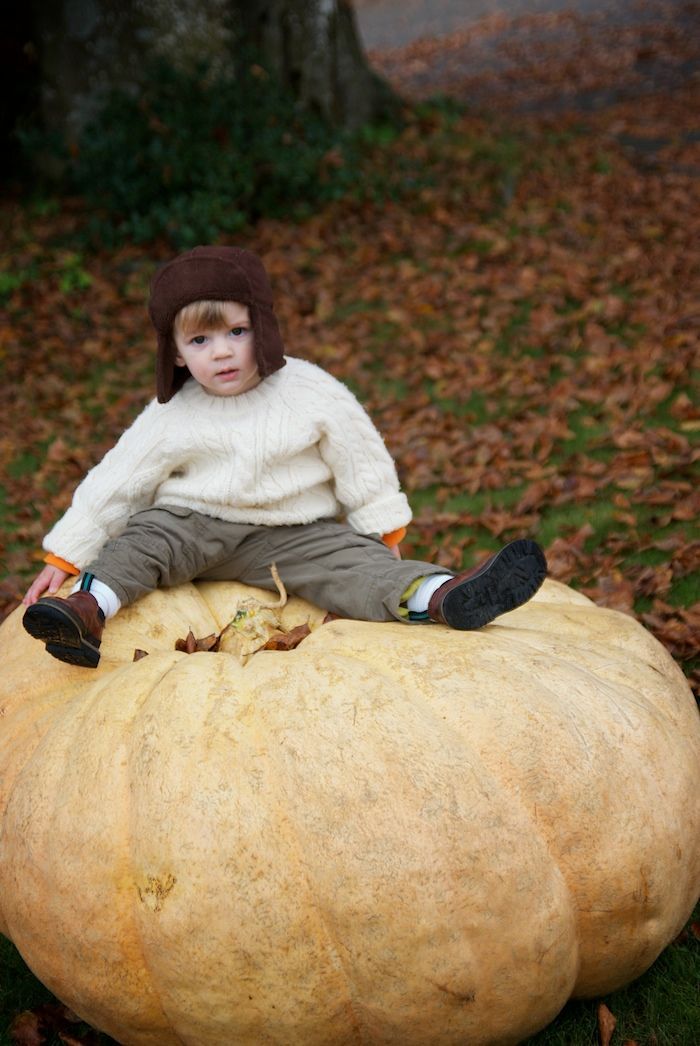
212, 274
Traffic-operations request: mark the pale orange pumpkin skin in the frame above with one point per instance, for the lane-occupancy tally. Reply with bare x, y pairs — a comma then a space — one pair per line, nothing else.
392, 834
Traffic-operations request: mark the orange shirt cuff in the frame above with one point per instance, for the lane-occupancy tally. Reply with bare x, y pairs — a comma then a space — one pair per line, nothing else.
62, 564
395, 537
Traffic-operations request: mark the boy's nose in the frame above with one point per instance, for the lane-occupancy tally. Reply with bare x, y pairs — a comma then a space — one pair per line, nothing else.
221, 347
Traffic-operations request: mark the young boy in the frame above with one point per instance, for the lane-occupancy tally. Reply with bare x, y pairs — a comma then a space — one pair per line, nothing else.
246, 458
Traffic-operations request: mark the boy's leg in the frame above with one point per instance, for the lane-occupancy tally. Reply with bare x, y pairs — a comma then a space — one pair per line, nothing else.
328, 563
349, 574
357, 576
164, 547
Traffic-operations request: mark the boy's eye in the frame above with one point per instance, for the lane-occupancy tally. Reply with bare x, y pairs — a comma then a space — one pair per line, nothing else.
199, 339
238, 331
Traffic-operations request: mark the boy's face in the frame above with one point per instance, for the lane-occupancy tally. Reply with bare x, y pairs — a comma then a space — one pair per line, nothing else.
220, 358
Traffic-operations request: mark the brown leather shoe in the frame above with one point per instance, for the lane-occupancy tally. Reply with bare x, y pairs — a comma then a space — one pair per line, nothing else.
503, 582
71, 627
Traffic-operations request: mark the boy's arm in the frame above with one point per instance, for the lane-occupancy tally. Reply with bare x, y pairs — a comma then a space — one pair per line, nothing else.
364, 473
119, 485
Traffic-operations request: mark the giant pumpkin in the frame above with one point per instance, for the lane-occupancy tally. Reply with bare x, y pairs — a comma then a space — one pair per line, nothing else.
391, 834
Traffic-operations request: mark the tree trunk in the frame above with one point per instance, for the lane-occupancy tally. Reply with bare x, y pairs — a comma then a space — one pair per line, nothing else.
87, 47
313, 49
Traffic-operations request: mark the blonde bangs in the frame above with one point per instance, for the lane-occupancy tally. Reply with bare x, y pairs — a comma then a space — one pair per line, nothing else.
200, 315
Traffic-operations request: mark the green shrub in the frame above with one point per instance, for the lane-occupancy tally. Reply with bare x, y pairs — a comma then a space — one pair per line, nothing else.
191, 157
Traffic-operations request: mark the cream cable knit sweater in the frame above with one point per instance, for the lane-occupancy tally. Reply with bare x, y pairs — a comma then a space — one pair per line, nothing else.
296, 448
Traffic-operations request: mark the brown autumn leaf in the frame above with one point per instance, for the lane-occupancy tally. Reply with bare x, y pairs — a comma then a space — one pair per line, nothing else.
612, 590
678, 628
208, 643
537, 495
188, 645
191, 645
606, 1024
653, 581
52, 1019
28, 1029
288, 640
139, 654
565, 555
88, 1038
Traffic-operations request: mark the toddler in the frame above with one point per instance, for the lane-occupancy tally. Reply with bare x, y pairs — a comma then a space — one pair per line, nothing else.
248, 457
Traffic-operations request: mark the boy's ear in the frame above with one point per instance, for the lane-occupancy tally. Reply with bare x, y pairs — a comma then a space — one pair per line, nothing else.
179, 362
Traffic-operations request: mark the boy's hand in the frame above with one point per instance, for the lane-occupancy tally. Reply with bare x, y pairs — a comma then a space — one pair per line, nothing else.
50, 579
395, 551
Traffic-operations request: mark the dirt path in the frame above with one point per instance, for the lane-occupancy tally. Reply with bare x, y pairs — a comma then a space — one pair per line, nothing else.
541, 55
396, 23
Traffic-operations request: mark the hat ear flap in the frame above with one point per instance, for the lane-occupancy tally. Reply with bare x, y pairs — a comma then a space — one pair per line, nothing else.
169, 377
269, 348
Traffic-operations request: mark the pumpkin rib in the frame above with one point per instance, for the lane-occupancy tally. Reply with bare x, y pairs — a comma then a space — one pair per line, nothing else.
175, 662
323, 919
218, 669
106, 683
137, 929
360, 1037
58, 739
619, 659
571, 875
565, 922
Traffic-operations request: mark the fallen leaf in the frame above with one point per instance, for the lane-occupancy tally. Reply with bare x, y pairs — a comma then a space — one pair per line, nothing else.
606, 1024
192, 645
140, 654
27, 1029
288, 640
208, 643
612, 590
39, 1026
187, 645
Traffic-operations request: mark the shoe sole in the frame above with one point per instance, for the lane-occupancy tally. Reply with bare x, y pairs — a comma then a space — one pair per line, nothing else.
63, 636
507, 581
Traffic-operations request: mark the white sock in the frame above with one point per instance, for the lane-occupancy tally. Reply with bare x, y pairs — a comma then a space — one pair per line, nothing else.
107, 600
418, 602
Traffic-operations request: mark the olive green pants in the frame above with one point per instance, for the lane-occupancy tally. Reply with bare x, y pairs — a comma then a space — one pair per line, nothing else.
353, 575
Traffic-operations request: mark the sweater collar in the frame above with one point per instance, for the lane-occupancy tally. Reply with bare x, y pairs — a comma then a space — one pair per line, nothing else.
193, 397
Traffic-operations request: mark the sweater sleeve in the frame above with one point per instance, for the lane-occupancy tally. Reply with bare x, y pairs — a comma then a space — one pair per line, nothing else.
118, 486
364, 474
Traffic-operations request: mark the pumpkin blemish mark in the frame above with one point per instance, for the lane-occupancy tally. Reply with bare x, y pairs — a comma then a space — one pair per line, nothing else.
463, 997
154, 893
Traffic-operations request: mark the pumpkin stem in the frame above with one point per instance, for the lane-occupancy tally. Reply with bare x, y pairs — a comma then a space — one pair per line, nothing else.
250, 606
279, 584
